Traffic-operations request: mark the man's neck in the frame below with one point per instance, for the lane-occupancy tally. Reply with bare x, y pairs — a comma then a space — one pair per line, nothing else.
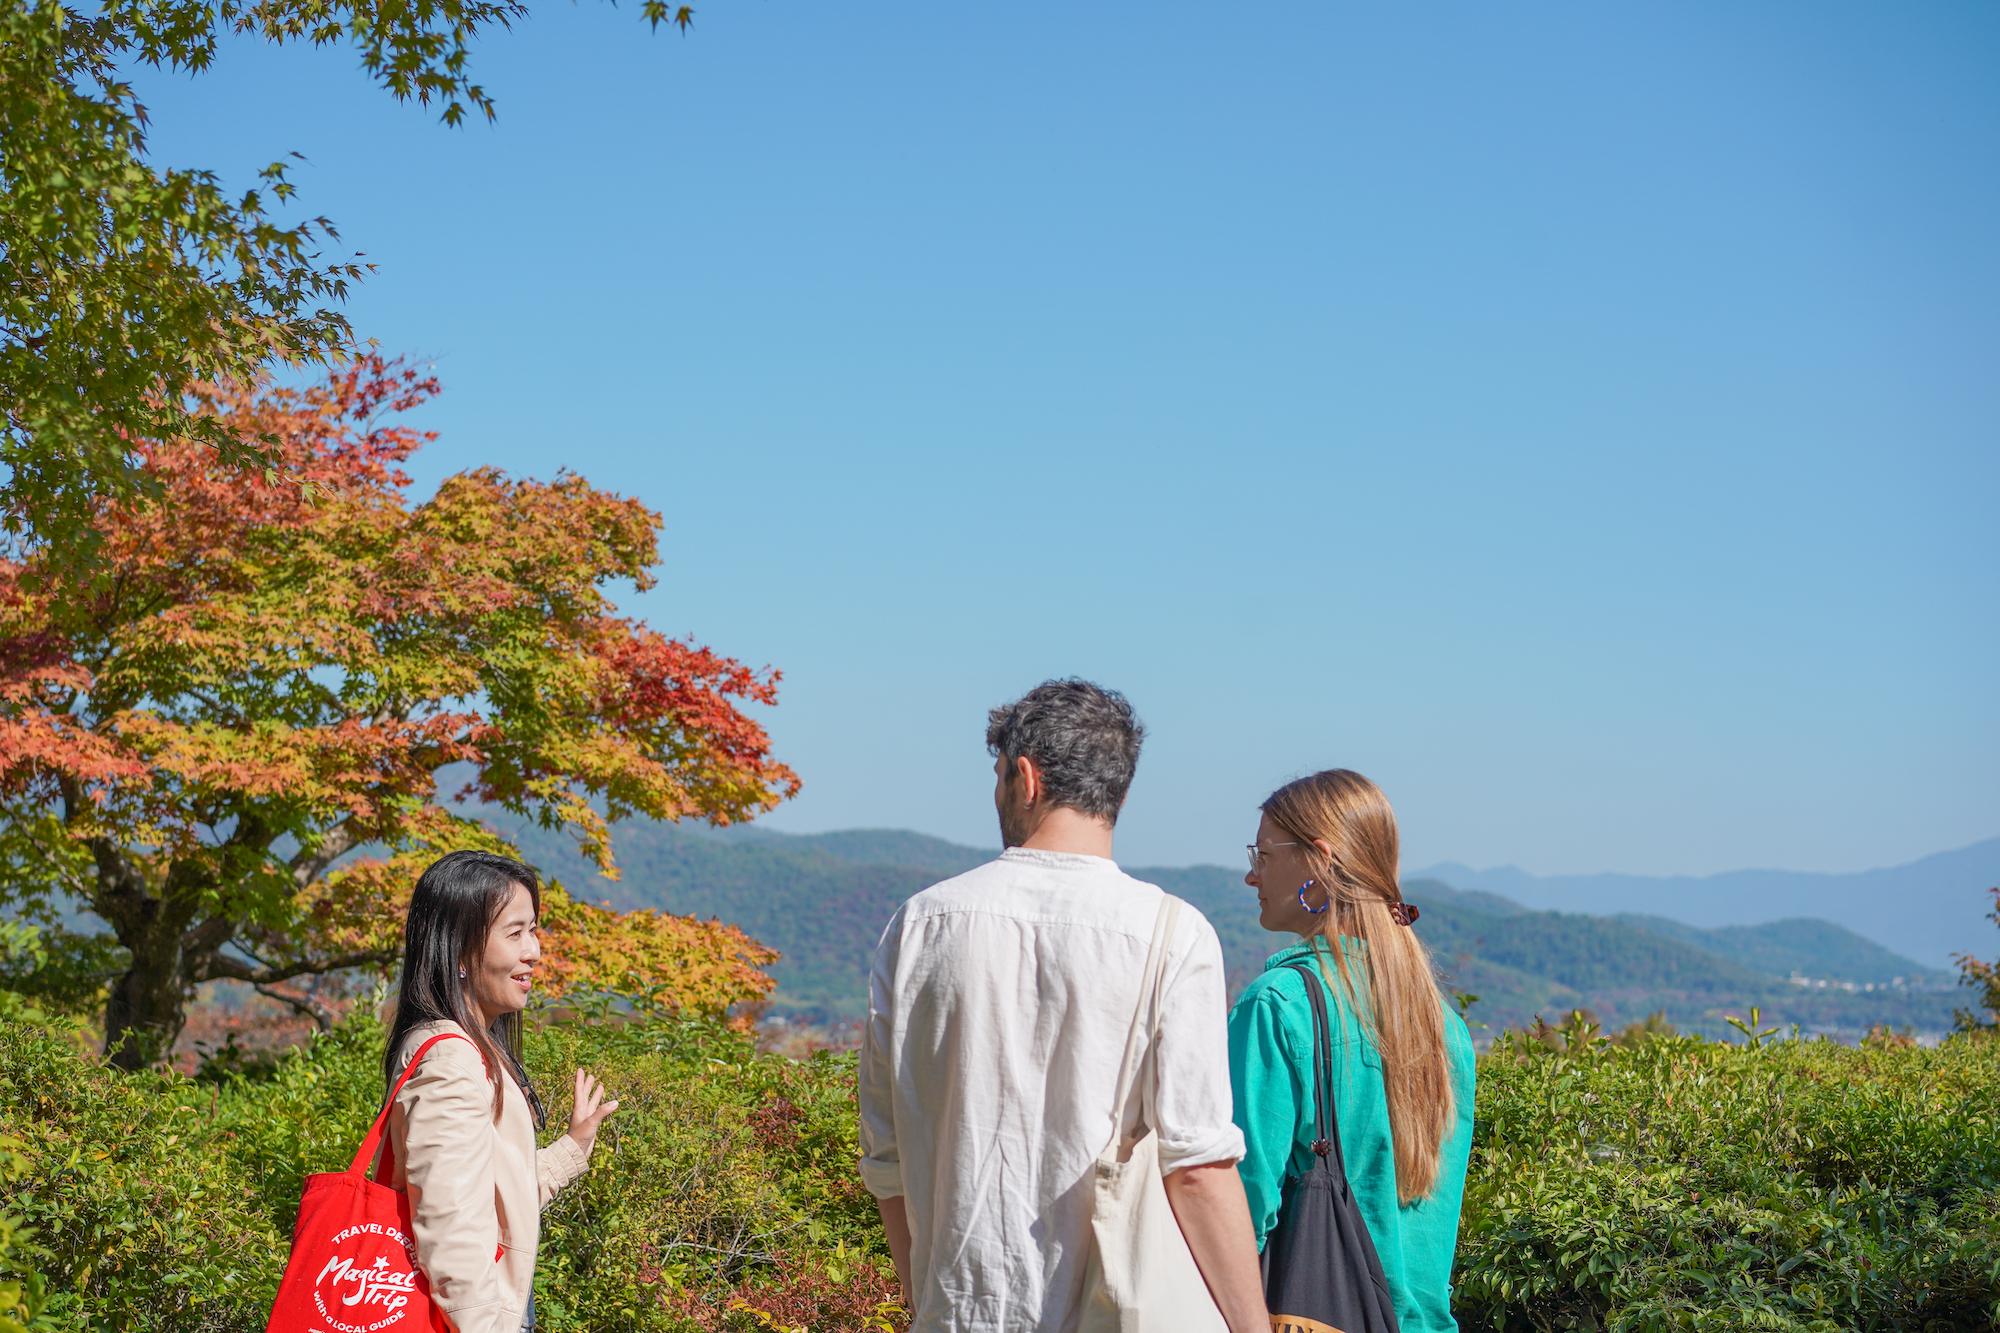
1072, 831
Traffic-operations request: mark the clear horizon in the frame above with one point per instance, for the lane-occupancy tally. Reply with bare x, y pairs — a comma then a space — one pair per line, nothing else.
1581, 421
993, 845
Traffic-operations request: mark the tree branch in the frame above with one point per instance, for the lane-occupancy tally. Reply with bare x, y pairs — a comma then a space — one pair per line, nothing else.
223, 966
308, 1005
121, 894
209, 936
338, 842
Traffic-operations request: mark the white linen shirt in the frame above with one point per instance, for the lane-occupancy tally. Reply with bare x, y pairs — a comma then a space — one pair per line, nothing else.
998, 1008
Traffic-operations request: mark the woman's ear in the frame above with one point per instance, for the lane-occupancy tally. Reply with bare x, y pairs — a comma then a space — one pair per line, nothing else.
1324, 848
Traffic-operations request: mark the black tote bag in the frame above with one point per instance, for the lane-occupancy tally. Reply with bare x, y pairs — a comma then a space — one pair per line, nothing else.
1321, 1272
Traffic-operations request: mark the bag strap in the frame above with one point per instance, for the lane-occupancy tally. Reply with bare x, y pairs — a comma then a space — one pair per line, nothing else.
366, 1153
1146, 1014
1326, 1117
1149, 1089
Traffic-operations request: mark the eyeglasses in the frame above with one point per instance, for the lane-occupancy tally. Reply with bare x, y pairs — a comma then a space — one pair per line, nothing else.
1257, 854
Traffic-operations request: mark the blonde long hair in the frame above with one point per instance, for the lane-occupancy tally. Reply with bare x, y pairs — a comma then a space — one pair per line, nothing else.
1403, 1012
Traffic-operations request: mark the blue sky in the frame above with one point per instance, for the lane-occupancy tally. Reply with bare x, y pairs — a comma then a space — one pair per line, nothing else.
1580, 418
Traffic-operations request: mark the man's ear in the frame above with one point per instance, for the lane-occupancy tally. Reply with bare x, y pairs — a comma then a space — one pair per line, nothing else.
1030, 779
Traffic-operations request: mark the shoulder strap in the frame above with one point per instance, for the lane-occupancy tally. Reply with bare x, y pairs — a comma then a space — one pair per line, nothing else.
366, 1153
1146, 1014
1149, 1090
1326, 1117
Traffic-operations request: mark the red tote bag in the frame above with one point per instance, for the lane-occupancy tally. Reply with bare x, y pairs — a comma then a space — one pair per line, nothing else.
354, 1260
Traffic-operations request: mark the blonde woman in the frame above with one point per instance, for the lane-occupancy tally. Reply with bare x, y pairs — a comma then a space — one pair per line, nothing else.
1324, 867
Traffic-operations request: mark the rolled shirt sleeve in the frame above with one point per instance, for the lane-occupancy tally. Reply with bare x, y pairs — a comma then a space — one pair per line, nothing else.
447, 1107
1193, 1102
881, 1163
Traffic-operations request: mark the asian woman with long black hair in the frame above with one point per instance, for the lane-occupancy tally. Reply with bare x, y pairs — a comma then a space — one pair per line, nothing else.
461, 1135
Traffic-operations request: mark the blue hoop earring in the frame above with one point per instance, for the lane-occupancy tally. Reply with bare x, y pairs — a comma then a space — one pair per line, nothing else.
1302, 899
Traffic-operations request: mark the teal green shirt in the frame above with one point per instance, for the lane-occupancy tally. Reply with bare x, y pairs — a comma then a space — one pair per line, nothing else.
1271, 1071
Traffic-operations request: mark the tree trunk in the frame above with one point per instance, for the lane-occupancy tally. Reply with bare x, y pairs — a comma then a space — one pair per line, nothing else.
148, 1005
173, 952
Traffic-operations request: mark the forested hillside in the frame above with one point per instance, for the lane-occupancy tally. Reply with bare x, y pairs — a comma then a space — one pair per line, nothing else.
823, 912
1817, 949
1529, 963
823, 899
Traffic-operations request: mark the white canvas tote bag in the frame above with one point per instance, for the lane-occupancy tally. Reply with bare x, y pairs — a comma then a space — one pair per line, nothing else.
1141, 1277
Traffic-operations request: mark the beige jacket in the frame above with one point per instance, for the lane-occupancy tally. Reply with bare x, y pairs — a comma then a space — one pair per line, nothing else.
476, 1187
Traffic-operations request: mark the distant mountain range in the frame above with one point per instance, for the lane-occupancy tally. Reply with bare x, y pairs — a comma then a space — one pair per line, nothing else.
1812, 973
822, 899
1927, 910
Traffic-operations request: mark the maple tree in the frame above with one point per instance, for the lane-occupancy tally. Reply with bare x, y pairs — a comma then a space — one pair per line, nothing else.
264, 672
124, 285
666, 961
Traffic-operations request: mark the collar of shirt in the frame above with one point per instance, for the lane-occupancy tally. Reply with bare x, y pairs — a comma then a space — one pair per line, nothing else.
1058, 860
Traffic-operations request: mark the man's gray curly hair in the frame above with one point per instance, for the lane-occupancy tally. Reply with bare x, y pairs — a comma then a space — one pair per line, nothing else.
1083, 738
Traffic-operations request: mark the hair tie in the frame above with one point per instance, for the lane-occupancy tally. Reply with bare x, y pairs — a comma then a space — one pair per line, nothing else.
1405, 914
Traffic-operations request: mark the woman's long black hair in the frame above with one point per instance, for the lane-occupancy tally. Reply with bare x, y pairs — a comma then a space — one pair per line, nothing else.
451, 913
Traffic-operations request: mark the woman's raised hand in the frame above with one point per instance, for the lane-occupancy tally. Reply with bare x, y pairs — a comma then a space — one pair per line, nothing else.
587, 1112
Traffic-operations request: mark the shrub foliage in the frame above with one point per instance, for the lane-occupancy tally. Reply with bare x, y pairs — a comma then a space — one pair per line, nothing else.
1678, 1183
1673, 1183
726, 1180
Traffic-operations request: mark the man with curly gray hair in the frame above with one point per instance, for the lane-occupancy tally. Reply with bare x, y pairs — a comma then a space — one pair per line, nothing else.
1000, 1007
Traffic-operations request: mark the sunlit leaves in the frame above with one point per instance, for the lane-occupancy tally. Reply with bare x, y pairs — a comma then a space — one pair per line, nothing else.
1685, 1184
121, 284
678, 963
264, 672
125, 285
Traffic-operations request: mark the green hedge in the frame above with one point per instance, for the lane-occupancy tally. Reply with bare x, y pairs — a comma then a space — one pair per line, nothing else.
1687, 1184
1675, 1184
723, 1193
